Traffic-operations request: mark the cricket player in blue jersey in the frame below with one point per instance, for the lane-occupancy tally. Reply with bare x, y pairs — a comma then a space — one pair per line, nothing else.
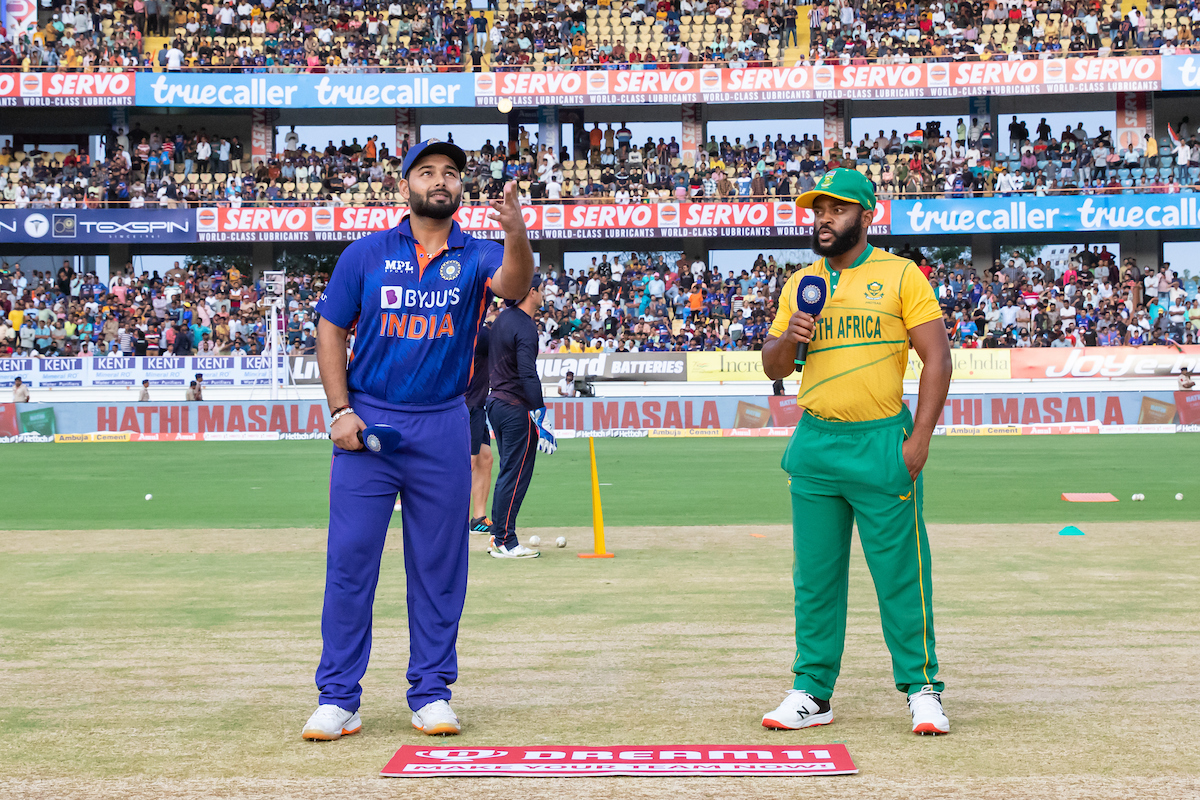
414, 297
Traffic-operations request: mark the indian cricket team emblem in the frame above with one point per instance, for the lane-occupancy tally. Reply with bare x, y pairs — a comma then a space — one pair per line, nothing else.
811, 293
450, 270
874, 290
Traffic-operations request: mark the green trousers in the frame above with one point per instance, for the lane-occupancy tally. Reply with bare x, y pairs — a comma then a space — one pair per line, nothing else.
842, 472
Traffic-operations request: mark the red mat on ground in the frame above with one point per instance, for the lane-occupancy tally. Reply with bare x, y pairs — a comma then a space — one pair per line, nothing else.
412, 761
1089, 497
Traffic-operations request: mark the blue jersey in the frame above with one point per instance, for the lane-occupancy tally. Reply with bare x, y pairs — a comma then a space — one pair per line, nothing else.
417, 315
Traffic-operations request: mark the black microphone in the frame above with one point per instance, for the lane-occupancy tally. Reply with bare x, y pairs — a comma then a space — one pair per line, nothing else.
810, 298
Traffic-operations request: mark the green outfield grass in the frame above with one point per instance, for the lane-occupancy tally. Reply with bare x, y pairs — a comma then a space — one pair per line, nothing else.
652, 482
164, 659
166, 649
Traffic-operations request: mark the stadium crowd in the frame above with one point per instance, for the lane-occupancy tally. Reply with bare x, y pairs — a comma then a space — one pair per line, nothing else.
171, 169
897, 33
184, 312
651, 305
644, 303
268, 35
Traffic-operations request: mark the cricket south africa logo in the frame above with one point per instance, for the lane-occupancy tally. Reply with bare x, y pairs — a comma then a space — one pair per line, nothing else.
874, 290
450, 270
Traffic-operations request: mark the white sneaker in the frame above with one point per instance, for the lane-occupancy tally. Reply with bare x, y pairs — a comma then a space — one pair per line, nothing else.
516, 551
331, 722
436, 719
927, 714
799, 710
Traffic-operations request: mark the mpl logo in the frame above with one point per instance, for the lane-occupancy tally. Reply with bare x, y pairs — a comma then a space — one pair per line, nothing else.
390, 265
461, 755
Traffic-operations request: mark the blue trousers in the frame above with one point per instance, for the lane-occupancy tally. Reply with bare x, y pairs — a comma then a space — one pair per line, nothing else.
516, 439
431, 471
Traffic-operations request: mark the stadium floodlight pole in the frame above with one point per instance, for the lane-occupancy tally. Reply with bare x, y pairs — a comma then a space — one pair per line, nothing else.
273, 345
273, 289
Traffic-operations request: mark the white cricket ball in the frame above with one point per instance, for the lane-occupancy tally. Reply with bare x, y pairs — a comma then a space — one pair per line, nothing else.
1179, 495
149, 496
534, 541
561, 541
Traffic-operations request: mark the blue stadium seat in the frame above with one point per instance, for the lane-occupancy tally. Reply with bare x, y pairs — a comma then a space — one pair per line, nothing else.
1122, 174
1193, 175
1137, 173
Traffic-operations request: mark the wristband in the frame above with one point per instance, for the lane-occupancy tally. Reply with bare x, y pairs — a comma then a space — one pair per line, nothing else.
339, 413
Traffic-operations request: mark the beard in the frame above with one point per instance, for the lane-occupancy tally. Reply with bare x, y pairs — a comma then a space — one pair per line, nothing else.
438, 208
842, 242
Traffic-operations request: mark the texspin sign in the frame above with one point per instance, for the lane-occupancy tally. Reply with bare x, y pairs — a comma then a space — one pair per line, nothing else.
97, 226
329, 90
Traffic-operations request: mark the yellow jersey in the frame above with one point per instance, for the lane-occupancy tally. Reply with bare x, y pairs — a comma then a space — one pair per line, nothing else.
856, 361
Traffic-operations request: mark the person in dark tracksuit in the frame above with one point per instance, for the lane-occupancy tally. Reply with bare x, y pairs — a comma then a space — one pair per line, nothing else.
481, 439
514, 408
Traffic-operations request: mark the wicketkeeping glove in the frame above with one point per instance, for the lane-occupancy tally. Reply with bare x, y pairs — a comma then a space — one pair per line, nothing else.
546, 441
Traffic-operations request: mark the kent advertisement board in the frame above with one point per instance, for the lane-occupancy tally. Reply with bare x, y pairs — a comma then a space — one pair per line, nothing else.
97, 226
163, 372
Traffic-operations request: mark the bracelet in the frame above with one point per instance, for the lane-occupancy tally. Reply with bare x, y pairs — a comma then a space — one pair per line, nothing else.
339, 413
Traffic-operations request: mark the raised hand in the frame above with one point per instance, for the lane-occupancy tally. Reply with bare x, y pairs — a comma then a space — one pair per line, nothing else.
507, 211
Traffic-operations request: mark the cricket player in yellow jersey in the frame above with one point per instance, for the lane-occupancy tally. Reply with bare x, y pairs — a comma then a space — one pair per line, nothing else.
857, 454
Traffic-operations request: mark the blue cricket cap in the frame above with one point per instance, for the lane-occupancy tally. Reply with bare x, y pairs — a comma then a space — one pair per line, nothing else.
533, 284
431, 147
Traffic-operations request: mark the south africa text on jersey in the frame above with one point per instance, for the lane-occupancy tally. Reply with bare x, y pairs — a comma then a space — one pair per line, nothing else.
849, 326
